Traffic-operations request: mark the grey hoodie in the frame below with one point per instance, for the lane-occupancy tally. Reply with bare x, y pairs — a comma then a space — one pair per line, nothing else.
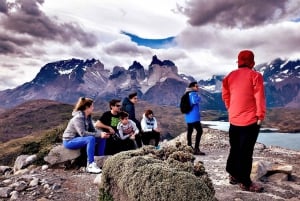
79, 125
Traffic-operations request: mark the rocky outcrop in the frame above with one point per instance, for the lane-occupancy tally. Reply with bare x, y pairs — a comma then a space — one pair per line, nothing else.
60, 154
159, 172
149, 174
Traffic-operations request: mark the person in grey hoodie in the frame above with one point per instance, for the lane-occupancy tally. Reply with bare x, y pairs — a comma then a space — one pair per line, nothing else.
80, 132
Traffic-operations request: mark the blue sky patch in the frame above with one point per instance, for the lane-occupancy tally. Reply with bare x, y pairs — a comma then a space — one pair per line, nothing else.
163, 43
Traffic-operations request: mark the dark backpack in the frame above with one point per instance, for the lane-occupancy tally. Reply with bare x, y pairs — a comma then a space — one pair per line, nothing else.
185, 105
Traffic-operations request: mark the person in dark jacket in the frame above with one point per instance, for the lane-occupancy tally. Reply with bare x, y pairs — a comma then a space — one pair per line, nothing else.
128, 106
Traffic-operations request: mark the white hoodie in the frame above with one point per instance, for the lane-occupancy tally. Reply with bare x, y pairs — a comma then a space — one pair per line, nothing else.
148, 124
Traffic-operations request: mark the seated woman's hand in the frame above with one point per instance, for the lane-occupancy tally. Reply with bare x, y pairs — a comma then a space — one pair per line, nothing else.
132, 137
105, 135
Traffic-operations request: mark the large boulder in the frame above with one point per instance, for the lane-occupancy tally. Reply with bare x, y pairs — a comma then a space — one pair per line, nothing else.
60, 154
149, 174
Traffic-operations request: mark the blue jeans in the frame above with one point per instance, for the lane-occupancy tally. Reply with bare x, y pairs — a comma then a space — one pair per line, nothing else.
100, 146
80, 142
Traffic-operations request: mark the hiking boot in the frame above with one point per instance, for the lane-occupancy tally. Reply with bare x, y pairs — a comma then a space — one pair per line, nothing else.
198, 152
254, 187
93, 168
233, 180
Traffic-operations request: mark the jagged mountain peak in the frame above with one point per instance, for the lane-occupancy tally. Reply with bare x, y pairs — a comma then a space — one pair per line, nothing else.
279, 70
155, 60
66, 80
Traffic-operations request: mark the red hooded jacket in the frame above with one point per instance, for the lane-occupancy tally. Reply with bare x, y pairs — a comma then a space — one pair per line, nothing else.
244, 96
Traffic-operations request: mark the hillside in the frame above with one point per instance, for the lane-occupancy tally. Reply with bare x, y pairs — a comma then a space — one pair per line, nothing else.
32, 117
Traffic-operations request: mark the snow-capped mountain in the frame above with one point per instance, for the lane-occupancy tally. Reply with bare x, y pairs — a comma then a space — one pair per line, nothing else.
282, 82
160, 84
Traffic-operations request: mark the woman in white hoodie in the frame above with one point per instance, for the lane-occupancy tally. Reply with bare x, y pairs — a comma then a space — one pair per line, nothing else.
80, 132
149, 128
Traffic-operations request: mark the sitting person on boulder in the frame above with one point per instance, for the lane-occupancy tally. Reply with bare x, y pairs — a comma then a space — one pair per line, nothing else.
127, 130
108, 122
149, 128
80, 132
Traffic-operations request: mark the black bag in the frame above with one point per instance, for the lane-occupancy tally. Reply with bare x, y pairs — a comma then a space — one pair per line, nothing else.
115, 137
185, 105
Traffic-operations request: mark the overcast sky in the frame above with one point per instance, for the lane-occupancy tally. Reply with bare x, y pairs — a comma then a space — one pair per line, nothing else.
201, 37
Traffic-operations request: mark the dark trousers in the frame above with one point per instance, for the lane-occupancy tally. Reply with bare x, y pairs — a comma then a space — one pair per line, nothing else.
190, 127
242, 141
113, 146
147, 136
138, 137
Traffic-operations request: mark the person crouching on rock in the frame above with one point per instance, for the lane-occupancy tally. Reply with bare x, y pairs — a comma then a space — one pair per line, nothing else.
150, 129
80, 132
127, 131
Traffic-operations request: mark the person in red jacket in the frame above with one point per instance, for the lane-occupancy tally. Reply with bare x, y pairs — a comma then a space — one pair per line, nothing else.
244, 97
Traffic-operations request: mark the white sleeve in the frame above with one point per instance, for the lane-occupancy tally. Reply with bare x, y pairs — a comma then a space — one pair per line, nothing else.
155, 123
143, 125
135, 128
120, 131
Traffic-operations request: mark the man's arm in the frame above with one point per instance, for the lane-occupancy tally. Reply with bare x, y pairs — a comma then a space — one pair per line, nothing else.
99, 124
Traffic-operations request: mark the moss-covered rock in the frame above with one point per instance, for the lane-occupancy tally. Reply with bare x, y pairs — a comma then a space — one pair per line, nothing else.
161, 175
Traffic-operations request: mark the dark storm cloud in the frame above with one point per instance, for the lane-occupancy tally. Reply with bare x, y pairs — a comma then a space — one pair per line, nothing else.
24, 17
125, 48
12, 44
239, 13
3, 6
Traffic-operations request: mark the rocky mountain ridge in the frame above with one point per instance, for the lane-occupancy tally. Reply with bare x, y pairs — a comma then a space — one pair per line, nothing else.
160, 84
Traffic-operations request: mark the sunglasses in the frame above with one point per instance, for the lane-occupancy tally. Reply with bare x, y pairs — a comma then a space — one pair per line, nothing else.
118, 105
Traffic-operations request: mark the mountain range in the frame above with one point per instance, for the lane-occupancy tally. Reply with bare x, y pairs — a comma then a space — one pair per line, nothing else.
160, 83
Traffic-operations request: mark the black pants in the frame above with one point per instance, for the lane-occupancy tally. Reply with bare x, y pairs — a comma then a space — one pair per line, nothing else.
147, 136
138, 137
190, 127
113, 146
242, 141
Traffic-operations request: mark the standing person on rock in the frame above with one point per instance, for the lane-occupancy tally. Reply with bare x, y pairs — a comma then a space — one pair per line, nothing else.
80, 132
192, 118
244, 98
128, 106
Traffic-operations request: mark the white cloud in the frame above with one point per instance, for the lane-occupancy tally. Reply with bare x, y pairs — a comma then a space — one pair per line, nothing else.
91, 29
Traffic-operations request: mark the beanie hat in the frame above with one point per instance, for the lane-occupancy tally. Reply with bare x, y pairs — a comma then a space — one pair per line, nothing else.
246, 59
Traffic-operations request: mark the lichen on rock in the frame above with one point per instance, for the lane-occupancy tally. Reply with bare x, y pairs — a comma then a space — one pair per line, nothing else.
148, 174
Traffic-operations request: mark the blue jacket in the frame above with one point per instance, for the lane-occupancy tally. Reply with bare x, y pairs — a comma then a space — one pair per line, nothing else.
194, 114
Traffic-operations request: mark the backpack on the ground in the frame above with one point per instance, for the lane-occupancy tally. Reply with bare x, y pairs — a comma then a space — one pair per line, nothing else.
185, 105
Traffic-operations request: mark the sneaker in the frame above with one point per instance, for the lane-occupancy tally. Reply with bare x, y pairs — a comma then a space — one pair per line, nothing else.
254, 187
93, 168
233, 180
198, 152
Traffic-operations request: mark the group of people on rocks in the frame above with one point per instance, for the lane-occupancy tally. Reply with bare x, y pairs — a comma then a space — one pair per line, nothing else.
115, 131
118, 130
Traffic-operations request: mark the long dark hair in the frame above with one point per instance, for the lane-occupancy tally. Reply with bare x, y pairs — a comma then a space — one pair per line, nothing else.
83, 103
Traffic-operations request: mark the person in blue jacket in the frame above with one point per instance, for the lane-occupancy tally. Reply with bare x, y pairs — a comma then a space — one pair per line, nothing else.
193, 118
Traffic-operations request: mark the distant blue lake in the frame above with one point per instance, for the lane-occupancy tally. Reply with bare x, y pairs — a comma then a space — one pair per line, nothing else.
285, 140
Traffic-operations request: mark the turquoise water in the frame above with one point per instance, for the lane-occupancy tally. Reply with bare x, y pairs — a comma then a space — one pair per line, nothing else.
285, 140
